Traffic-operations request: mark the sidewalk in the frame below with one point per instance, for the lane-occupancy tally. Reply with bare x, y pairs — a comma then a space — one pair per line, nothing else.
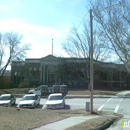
66, 123
123, 93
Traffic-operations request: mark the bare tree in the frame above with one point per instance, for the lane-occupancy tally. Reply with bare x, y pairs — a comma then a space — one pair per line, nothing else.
11, 48
113, 20
2, 48
78, 48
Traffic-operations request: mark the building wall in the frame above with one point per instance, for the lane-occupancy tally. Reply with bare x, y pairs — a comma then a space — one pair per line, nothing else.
24, 72
41, 71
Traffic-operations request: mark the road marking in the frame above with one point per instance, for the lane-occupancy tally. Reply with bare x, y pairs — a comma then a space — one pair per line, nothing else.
108, 99
117, 107
99, 109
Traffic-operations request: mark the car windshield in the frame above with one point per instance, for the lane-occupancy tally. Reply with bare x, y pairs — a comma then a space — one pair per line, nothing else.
56, 97
28, 98
5, 98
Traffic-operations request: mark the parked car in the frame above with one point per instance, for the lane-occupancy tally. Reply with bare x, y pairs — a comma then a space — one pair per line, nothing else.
44, 90
29, 101
39, 90
56, 100
7, 100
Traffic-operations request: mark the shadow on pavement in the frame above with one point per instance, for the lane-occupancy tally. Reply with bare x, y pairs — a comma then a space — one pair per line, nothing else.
39, 106
67, 107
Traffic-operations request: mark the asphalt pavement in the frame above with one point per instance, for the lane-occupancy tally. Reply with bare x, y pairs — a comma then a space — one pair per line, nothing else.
71, 121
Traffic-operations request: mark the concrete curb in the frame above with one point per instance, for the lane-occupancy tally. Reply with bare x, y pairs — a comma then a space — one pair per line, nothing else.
108, 124
105, 125
88, 96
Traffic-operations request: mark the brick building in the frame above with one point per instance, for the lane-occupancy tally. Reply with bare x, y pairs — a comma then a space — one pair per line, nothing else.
44, 71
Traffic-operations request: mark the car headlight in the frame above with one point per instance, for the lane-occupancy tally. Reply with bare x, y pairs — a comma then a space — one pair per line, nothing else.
32, 104
7, 104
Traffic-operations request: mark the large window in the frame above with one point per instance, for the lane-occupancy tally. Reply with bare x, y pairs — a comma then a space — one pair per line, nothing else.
34, 71
50, 76
18, 77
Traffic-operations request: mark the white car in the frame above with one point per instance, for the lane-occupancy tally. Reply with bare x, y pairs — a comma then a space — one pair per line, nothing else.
29, 101
7, 100
56, 100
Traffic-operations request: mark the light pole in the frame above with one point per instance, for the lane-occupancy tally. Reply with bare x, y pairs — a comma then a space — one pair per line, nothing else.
91, 55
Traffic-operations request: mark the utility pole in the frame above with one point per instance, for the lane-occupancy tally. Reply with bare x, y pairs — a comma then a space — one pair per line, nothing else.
91, 56
91, 61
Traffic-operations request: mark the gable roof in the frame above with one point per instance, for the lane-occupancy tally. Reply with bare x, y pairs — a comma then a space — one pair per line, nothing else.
49, 58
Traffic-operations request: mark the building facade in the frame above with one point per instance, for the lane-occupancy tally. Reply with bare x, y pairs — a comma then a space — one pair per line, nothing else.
50, 70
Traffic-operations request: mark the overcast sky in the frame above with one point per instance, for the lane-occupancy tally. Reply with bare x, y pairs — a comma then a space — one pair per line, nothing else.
41, 20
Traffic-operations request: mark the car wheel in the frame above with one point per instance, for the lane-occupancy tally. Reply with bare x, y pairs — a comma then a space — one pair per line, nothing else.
34, 105
64, 106
14, 103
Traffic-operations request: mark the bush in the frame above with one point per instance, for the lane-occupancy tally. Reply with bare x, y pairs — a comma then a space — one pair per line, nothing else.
23, 84
4, 82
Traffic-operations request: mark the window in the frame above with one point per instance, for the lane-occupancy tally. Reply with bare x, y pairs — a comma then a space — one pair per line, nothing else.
34, 71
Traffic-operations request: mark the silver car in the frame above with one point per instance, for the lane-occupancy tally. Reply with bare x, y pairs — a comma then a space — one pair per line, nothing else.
56, 100
7, 100
29, 101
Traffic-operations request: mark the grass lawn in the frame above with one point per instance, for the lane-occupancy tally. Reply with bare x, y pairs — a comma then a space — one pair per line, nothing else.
27, 119
128, 94
95, 92
15, 90
70, 92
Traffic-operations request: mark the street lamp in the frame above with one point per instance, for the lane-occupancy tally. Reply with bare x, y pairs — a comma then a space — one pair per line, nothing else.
91, 55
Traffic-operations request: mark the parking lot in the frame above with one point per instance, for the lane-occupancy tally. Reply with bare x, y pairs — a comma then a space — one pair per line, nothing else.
71, 103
